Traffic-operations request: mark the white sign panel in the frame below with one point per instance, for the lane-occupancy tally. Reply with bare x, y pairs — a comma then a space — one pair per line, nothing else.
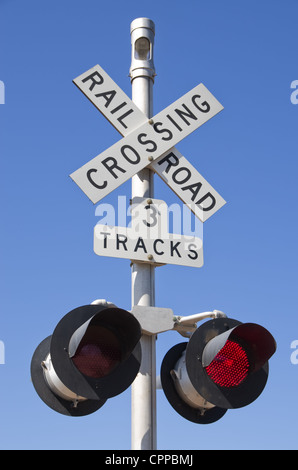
113, 167
123, 242
188, 184
147, 239
149, 217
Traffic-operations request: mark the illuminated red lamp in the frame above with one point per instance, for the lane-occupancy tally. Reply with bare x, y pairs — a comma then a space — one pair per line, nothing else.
224, 365
230, 366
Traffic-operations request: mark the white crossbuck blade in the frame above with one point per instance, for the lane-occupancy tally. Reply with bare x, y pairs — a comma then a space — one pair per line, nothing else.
148, 141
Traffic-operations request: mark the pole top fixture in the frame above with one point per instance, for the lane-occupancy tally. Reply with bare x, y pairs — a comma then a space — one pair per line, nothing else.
142, 23
142, 31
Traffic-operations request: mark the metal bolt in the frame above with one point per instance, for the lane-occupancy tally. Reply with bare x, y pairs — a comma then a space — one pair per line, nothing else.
149, 201
150, 121
150, 257
150, 159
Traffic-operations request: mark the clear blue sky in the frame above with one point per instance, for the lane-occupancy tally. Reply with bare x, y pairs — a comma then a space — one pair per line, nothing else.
245, 53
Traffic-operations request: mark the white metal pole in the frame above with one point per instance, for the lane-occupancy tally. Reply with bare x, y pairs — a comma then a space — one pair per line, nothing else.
143, 395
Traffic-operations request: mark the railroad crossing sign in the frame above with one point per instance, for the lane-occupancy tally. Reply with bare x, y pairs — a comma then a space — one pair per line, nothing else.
148, 239
148, 141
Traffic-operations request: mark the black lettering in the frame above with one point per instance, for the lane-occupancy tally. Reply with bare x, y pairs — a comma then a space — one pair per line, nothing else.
153, 215
170, 162
154, 246
123, 241
193, 188
145, 142
93, 170
162, 131
140, 244
94, 82
107, 95
120, 119
195, 253
118, 107
213, 202
113, 166
174, 122
124, 149
174, 248
203, 110
183, 114
186, 178
105, 238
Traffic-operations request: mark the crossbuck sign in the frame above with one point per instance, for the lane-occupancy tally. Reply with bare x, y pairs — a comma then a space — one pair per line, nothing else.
148, 141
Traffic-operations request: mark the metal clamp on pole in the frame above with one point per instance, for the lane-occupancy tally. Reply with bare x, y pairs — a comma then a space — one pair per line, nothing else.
187, 325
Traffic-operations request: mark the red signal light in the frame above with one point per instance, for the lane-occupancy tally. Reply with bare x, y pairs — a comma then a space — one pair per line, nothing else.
98, 353
93, 354
230, 366
223, 366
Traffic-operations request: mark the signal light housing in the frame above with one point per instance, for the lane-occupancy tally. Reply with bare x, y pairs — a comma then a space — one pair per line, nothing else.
92, 355
224, 365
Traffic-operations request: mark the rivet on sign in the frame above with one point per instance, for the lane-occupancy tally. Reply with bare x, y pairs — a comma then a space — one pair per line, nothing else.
150, 257
150, 121
150, 158
149, 201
